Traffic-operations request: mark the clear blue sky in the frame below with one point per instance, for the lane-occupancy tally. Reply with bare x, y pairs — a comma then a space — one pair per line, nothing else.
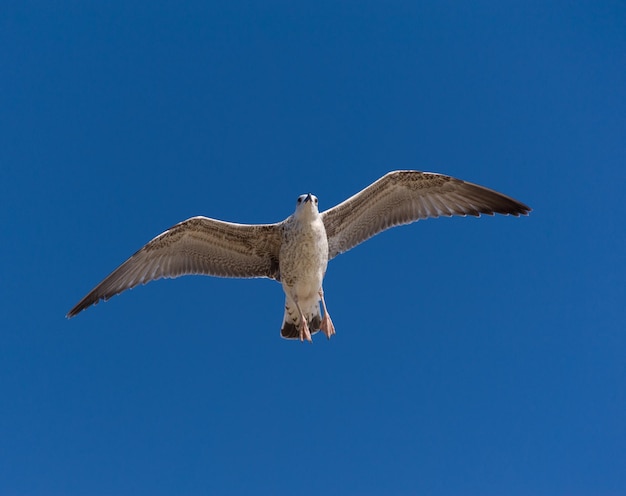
472, 356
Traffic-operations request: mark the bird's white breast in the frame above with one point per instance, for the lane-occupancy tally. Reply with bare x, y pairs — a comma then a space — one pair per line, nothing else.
303, 258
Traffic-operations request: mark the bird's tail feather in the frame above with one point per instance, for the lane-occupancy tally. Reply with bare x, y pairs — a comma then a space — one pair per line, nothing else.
291, 321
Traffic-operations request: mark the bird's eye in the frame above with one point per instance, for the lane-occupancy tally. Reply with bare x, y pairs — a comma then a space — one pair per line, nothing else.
316, 201
299, 200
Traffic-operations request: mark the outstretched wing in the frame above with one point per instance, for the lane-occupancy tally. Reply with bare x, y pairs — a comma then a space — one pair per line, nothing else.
196, 246
402, 197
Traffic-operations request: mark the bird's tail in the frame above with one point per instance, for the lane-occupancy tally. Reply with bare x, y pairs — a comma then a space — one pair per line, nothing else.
291, 321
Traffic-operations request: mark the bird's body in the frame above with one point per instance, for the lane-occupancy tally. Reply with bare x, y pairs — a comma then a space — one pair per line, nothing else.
296, 251
303, 258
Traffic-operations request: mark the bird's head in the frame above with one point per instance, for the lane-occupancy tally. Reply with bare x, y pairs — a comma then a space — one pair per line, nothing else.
306, 205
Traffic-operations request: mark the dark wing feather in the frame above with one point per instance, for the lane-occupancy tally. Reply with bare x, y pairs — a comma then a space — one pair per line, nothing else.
196, 246
402, 197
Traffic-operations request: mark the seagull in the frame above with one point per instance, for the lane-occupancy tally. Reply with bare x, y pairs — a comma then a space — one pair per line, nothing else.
296, 251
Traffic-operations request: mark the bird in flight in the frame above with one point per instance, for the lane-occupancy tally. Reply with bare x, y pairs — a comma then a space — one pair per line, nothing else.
296, 251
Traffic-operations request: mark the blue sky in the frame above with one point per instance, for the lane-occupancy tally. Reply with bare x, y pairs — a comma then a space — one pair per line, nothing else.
472, 356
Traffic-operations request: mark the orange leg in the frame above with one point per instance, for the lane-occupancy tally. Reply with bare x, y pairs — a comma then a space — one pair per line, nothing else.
327, 326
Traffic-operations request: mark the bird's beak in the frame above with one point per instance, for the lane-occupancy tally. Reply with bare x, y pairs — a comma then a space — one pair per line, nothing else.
308, 198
